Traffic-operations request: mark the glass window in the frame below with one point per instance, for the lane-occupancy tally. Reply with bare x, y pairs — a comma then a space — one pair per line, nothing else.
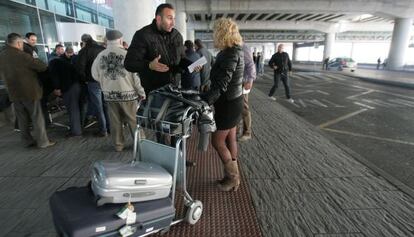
59, 7
18, 18
42, 4
49, 28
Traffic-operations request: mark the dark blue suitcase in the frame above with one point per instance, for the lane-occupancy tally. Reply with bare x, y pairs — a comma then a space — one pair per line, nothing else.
75, 214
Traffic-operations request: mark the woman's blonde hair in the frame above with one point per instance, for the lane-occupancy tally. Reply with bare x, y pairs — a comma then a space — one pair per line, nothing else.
226, 33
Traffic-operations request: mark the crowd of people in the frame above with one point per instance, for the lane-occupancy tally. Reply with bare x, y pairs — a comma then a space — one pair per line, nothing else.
107, 82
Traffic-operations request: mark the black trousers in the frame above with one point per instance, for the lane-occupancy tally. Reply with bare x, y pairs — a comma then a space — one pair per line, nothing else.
285, 79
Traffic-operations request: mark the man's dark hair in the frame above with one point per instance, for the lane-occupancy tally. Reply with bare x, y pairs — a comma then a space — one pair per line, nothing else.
189, 44
198, 43
161, 7
12, 38
30, 34
58, 46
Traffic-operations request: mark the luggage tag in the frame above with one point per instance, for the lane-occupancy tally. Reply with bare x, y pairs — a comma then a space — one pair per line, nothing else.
127, 230
127, 210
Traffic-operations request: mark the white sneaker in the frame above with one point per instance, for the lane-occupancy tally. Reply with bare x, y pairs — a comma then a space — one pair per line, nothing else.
291, 100
272, 98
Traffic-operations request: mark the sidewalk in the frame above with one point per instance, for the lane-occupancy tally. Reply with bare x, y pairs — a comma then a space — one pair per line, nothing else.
300, 183
395, 78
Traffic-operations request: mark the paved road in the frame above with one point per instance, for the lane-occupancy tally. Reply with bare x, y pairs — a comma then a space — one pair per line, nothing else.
375, 121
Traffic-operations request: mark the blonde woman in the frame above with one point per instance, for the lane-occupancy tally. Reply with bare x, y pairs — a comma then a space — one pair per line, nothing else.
226, 94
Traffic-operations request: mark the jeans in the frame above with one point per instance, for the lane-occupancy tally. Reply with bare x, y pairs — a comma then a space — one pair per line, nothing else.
71, 98
285, 79
97, 102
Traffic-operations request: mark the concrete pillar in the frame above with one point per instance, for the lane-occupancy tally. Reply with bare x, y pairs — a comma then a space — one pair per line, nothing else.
190, 35
132, 15
329, 44
399, 43
181, 24
294, 51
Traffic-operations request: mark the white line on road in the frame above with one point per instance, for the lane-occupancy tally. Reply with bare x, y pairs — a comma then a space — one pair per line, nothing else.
326, 124
302, 103
369, 136
363, 93
364, 105
316, 102
405, 102
332, 103
323, 92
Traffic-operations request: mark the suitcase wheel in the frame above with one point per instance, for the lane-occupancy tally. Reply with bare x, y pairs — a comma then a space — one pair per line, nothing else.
194, 212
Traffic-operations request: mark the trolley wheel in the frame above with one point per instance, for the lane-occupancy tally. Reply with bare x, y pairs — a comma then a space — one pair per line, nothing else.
194, 212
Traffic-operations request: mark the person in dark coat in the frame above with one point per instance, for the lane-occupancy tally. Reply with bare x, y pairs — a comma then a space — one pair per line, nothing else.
190, 81
66, 84
19, 71
157, 51
226, 94
83, 65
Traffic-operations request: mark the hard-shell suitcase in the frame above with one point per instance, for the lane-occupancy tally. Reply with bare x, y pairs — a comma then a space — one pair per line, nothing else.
118, 182
76, 215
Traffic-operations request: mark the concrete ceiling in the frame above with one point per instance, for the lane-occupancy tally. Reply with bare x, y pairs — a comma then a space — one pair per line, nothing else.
319, 15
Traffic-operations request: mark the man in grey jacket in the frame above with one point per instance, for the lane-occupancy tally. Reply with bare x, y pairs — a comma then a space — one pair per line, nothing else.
249, 76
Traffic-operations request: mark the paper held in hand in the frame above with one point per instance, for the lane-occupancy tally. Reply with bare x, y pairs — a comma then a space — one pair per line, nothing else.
200, 62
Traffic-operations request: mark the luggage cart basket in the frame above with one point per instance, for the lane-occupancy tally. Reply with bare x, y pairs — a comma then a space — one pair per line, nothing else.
173, 159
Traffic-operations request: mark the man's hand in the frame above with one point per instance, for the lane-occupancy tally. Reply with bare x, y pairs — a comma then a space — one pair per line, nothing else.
157, 66
290, 73
57, 92
274, 67
198, 68
248, 85
142, 97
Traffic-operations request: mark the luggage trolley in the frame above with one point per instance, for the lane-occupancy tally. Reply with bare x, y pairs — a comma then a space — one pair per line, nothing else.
173, 159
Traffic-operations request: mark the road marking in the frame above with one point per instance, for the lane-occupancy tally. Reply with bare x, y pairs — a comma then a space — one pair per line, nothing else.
323, 92
363, 93
404, 102
364, 105
326, 124
384, 103
332, 103
303, 92
302, 103
373, 102
316, 102
369, 136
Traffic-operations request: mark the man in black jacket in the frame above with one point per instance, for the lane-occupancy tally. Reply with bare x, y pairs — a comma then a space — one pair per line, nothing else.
157, 51
281, 65
83, 65
66, 84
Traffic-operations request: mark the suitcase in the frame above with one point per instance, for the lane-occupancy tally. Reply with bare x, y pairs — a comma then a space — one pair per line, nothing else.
118, 182
75, 214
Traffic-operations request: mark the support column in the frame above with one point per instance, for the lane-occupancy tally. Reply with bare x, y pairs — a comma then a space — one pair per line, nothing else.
191, 34
294, 46
399, 43
329, 44
181, 24
132, 15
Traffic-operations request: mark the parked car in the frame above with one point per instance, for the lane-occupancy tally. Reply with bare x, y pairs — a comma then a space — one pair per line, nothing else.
342, 64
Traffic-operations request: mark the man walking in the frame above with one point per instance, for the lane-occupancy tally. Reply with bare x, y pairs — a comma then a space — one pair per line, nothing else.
281, 65
19, 71
121, 88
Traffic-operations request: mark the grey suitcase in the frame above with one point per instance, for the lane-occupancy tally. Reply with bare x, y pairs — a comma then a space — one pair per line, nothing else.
118, 182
